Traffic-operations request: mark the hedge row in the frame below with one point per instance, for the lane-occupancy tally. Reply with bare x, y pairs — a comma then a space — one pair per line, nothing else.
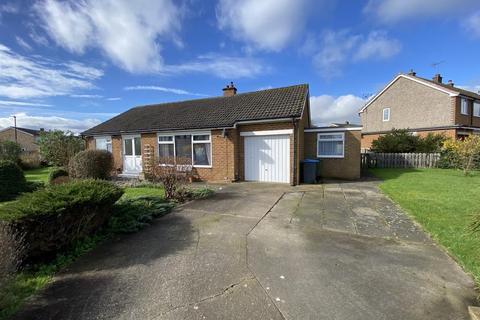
53, 218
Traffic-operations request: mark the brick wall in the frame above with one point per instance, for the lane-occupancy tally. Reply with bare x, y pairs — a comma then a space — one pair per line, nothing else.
412, 105
342, 168
26, 141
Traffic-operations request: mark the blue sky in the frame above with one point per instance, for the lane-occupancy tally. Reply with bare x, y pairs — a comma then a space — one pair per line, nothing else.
73, 64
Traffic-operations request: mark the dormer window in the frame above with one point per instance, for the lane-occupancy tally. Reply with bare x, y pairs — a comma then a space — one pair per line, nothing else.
386, 114
464, 107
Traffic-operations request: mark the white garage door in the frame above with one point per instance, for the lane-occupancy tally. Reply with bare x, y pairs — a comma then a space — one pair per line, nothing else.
267, 158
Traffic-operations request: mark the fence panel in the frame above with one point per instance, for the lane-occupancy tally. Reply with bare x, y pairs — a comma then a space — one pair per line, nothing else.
399, 160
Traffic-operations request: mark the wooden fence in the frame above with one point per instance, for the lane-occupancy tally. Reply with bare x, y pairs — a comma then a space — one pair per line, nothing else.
399, 160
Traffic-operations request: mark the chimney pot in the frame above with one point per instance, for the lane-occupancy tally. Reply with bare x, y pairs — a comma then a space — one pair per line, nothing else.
412, 73
450, 83
437, 78
229, 90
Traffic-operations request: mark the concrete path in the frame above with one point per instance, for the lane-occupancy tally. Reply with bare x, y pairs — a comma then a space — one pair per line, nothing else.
256, 251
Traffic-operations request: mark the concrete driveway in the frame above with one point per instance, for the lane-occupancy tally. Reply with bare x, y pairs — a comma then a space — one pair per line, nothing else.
256, 251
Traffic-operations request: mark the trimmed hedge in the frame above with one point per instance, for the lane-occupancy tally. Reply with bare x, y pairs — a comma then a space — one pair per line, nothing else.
53, 218
57, 173
12, 180
91, 164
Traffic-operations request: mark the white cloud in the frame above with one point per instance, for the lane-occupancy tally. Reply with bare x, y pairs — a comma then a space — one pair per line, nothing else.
164, 89
22, 43
472, 24
86, 96
24, 77
377, 45
340, 47
23, 104
222, 66
50, 122
326, 109
128, 32
391, 11
266, 24
114, 99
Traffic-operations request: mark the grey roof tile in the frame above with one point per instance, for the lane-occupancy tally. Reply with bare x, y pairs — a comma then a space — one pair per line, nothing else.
218, 112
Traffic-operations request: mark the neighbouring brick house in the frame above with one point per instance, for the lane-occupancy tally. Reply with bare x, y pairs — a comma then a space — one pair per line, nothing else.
27, 138
255, 136
421, 106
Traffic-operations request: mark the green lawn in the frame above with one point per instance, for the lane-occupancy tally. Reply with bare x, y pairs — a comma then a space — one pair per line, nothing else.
143, 191
38, 175
444, 202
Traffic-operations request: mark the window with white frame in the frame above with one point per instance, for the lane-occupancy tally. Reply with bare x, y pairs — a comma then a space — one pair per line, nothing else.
464, 106
103, 143
197, 147
386, 114
330, 144
476, 108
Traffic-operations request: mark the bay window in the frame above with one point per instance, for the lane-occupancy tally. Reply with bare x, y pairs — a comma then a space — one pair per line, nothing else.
330, 145
196, 148
103, 143
464, 106
476, 108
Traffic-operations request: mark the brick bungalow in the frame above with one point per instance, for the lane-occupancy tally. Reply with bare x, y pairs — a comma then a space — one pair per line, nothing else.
255, 136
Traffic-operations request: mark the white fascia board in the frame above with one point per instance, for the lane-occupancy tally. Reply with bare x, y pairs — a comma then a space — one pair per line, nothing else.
332, 129
266, 132
431, 85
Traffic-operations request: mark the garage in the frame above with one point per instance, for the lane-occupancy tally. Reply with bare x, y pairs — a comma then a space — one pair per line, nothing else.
267, 157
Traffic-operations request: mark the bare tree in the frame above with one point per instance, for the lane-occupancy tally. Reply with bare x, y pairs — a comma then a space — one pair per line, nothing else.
172, 173
11, 253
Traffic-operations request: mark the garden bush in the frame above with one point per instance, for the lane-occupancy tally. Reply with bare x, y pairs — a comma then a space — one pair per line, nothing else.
11, 251
56, 174
403, 141
10, 150
12, 180
58, 147
53, 218
187, 193
94, 164
132, 215
30, 160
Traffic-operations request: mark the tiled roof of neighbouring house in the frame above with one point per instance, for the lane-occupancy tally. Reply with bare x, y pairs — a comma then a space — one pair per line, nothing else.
218, 112
33, 132
452, 88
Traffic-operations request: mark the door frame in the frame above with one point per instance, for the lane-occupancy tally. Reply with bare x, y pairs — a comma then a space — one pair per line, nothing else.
126, 137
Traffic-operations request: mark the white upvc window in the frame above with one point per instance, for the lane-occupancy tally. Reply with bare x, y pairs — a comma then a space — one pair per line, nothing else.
464, 106
195, 146
331, 145
386, 114
476, 108
103, 143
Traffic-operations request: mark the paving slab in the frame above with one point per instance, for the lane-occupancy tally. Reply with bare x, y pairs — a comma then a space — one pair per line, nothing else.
266, 251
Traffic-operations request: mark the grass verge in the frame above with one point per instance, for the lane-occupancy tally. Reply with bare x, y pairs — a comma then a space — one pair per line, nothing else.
443, 201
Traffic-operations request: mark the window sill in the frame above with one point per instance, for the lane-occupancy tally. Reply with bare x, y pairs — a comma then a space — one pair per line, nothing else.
330, 157
201, 166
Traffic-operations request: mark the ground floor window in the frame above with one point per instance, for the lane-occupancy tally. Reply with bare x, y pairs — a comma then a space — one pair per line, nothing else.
330, 145
195, 147
103, 143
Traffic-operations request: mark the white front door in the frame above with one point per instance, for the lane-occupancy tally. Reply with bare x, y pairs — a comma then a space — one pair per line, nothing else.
132, 155
267, 158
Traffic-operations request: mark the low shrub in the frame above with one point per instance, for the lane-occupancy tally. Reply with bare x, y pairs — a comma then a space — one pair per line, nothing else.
55, 174
10, 151
132, 215
186, 193
30, 160
91, 164
12, 179
54, 217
